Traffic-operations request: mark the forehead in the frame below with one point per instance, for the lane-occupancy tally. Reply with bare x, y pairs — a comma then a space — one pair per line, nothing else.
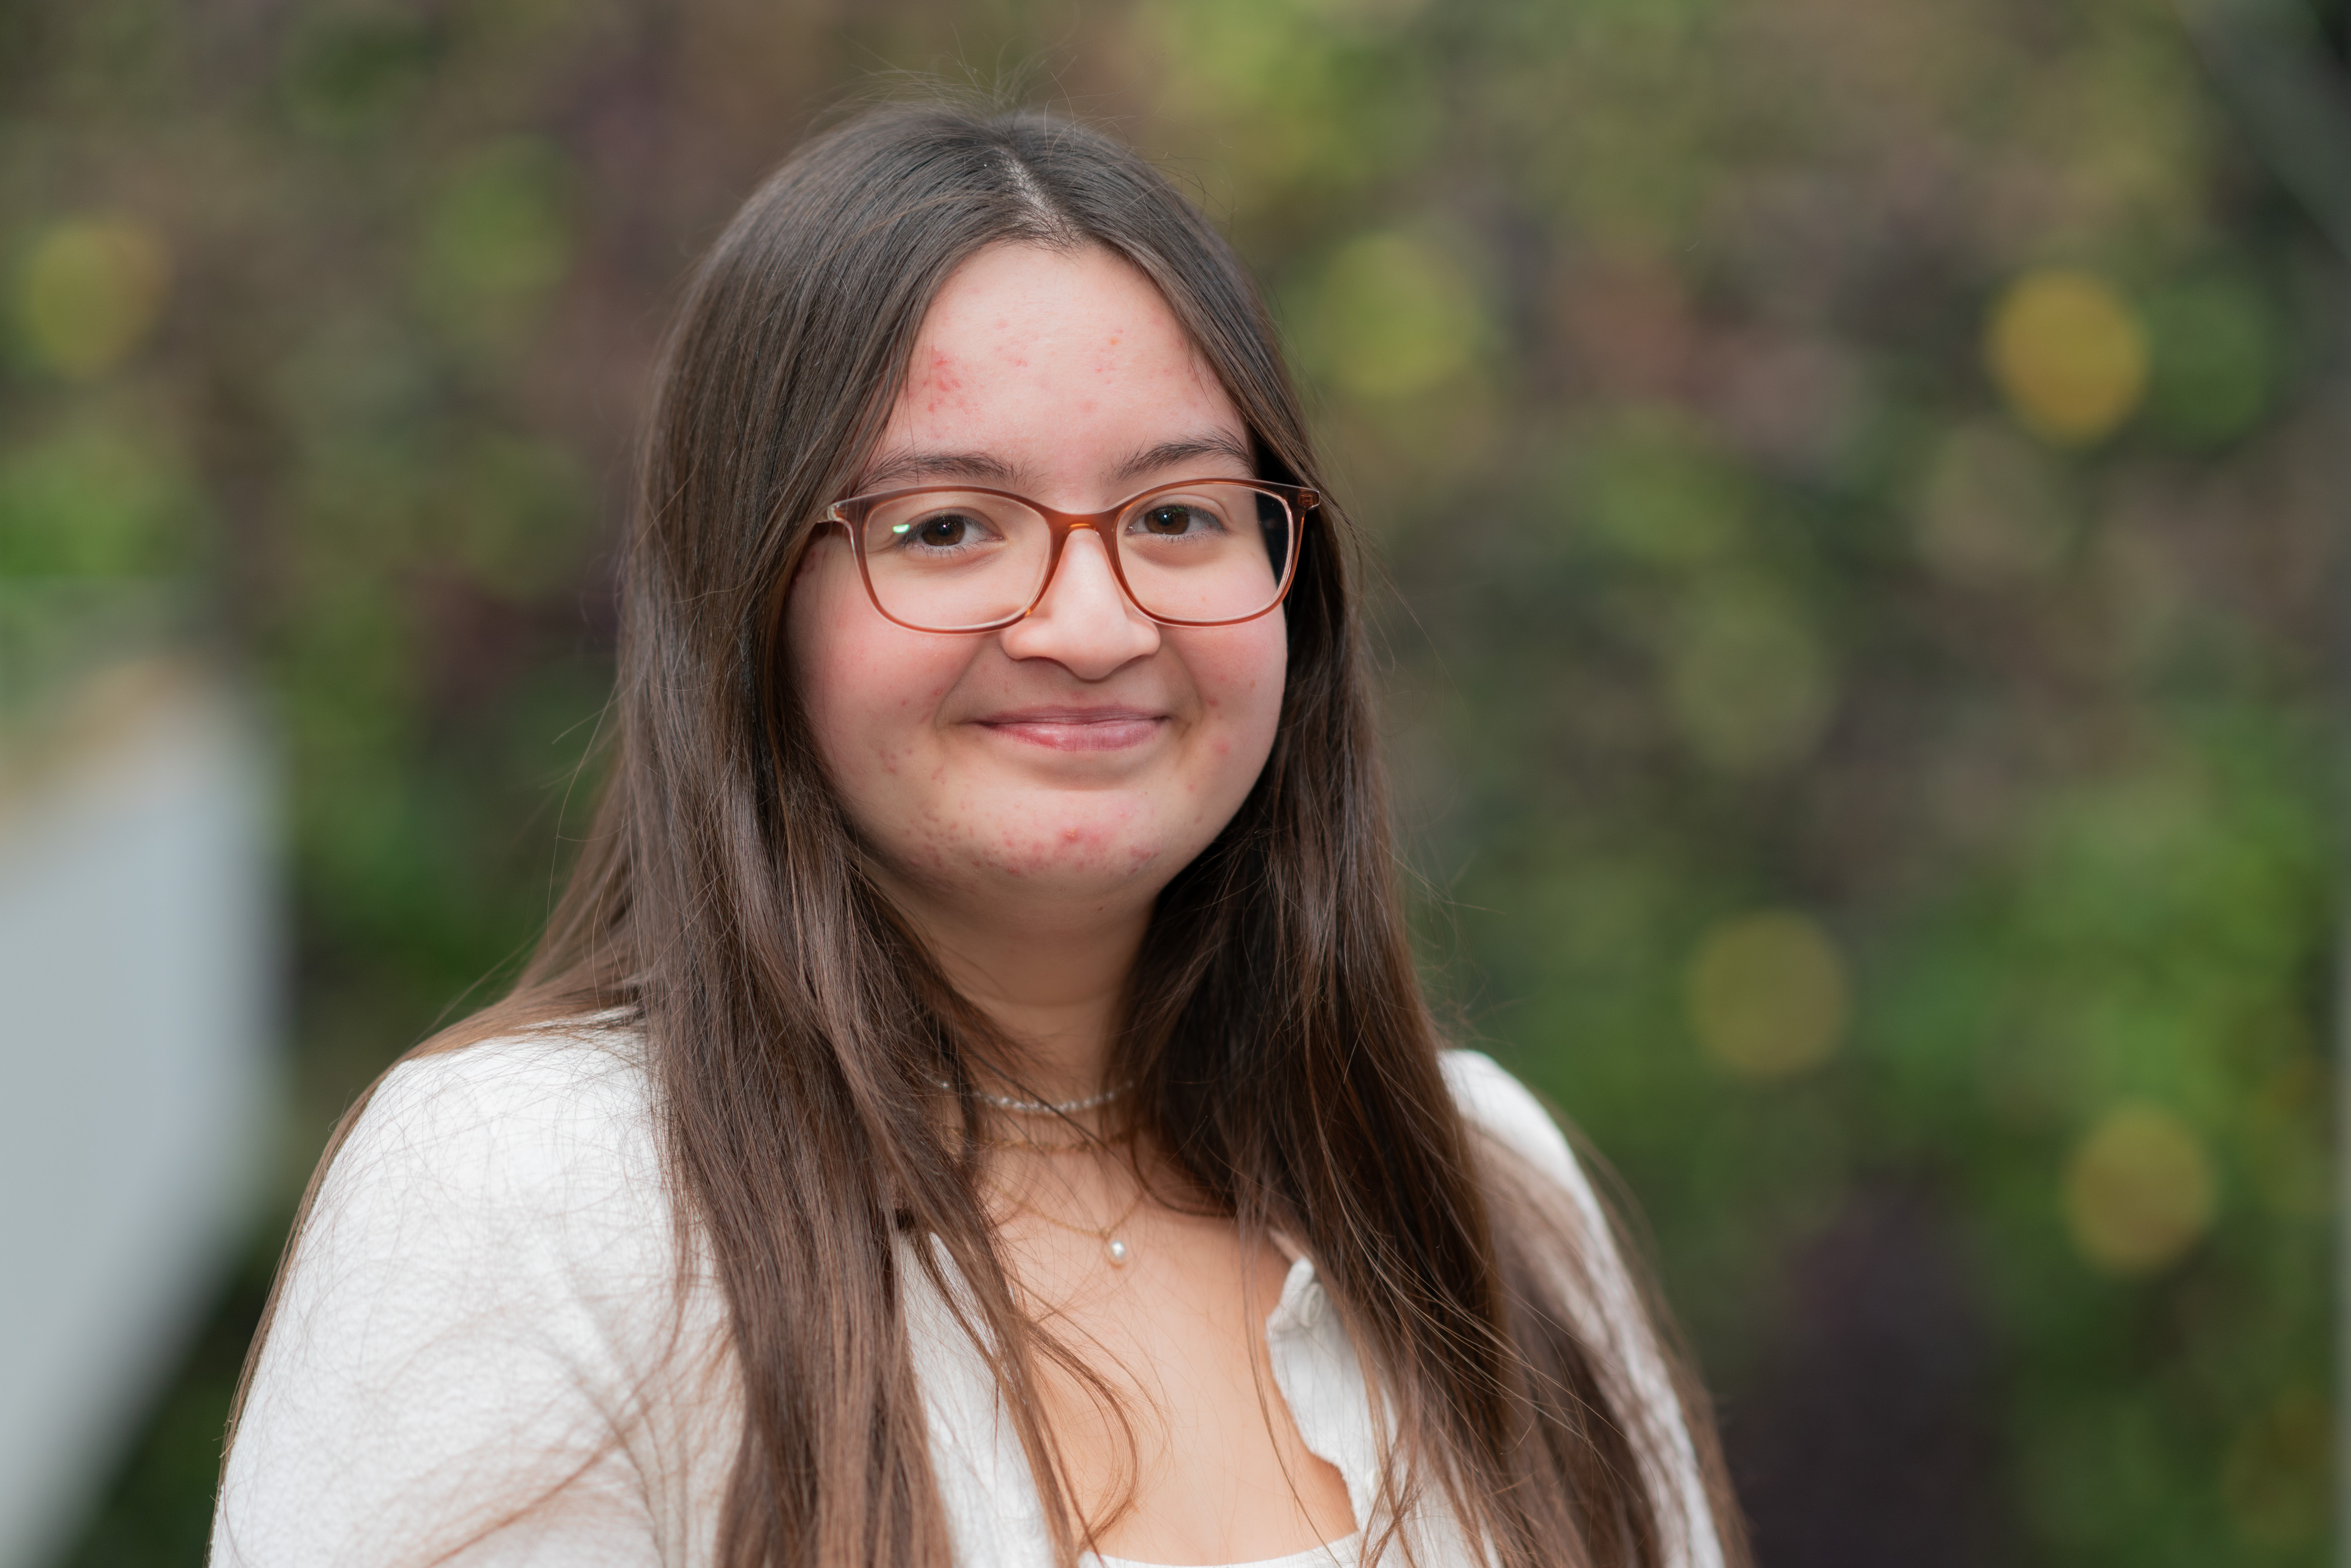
1053, 365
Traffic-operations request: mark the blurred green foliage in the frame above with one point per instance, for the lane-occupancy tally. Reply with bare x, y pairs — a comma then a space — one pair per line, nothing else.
1859, 483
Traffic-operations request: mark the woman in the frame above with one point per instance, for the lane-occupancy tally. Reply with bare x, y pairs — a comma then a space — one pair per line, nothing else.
973, 1103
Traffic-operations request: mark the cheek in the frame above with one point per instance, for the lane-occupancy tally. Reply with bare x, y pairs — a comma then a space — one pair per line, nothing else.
1240, 679
816, 627
867, 693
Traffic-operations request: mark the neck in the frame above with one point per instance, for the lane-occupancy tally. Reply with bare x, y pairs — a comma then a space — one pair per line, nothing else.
1048, 975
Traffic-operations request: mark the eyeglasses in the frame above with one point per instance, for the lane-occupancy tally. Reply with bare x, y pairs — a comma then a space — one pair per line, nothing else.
1201, 552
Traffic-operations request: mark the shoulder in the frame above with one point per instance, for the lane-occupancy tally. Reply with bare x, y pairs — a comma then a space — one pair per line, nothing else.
1498, 1105
572, 1077
462, 1336
548, 1114
513, 1170
1600, 1293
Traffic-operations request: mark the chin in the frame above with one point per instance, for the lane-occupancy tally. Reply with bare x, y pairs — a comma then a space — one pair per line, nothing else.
1099, 851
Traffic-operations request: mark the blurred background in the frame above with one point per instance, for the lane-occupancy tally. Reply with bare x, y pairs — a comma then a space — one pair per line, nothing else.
1860, 485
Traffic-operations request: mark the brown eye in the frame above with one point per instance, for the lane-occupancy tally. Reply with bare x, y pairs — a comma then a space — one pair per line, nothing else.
944, 531
1170, 521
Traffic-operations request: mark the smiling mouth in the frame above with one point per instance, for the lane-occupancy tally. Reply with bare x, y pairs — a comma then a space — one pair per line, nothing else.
1077, 729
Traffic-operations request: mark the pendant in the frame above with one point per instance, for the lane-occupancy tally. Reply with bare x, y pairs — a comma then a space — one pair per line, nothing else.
1116, 1248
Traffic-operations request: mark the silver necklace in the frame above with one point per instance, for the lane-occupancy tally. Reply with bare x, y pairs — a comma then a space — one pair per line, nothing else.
1041, 1107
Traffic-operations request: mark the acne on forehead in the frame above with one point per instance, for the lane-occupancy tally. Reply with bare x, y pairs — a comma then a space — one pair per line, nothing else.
939, 382
1045, 316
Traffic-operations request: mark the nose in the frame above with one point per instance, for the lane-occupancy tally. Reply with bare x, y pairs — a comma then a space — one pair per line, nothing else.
1083, 623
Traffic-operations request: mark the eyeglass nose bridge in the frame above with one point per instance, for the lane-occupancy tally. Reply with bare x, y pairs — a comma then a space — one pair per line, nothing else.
1060, 527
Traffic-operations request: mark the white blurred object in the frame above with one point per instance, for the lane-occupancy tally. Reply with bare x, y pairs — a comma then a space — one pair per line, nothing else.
138, 986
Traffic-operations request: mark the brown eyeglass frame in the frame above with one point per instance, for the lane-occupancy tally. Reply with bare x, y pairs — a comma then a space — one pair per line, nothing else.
852, 513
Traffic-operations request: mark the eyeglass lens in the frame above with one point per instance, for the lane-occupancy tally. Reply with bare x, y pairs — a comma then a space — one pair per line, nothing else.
945, 560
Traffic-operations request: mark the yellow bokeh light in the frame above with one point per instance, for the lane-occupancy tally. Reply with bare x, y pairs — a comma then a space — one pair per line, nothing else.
91, 291
2139, 1190
2068, 352
1396, 318
1768, 995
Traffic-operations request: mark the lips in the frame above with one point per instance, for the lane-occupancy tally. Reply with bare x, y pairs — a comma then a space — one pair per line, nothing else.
1077, 728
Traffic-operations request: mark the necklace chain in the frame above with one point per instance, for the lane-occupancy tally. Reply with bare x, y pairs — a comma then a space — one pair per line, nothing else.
1113, 1245
1031, 1145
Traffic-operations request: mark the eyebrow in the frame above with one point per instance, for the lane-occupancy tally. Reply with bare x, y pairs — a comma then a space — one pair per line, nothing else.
982, 468
977, 466
1168, 454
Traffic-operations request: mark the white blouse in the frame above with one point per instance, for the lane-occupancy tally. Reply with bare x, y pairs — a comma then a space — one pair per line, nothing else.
480, 1357
1345, 1553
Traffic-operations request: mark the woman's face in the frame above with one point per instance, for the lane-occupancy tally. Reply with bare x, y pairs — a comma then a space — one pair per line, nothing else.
1080, 757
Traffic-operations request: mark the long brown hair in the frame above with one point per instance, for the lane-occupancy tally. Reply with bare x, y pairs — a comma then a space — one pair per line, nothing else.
1275, 1027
